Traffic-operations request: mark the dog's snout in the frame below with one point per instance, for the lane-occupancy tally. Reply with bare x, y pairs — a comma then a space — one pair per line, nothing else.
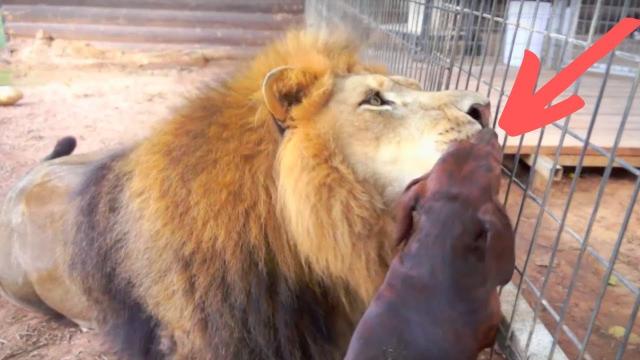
480, 112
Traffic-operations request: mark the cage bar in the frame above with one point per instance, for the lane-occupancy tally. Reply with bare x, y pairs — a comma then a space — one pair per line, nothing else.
474, 45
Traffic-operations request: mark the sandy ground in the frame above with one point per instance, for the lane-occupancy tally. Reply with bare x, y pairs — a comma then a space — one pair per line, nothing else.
118, 98
618, 300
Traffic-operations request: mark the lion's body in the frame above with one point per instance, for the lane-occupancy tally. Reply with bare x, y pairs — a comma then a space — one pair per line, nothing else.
217, 237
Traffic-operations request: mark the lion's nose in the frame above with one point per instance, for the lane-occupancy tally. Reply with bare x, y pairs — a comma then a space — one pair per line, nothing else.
480, 112
473, 104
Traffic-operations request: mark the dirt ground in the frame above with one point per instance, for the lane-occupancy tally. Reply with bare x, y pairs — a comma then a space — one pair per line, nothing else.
115, 98
618, 301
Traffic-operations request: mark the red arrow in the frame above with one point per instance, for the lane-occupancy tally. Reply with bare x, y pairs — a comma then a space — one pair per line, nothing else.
527, 110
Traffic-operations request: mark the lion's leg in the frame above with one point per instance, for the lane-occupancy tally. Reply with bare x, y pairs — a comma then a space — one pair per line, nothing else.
15, 284
56, 291
33, 232
19, 292
43, 254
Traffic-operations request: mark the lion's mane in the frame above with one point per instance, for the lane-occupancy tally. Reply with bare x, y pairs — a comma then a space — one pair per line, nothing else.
216, 237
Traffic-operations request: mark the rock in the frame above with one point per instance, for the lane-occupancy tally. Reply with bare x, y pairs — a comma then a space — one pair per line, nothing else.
618, 333
42, 38
41, 35
9, 95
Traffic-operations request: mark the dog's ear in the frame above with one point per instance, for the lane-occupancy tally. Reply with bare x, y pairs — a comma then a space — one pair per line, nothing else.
500, 245
405, 207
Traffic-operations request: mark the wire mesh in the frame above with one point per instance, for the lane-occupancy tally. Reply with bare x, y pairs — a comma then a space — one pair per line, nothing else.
578, 236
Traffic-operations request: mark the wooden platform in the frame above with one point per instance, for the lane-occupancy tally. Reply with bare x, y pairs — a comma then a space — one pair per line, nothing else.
608, 119
219, 23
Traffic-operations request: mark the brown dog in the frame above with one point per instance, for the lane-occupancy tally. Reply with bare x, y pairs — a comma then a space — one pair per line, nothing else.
439, 299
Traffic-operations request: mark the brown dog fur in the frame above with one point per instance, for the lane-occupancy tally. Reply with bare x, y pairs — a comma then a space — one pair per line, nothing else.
183, 246
439, 299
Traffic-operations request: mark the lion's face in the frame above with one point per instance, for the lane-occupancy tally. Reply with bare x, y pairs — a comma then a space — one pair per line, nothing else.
390, 131
349, 143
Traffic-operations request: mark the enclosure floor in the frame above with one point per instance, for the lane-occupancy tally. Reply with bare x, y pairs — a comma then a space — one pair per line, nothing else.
618, 300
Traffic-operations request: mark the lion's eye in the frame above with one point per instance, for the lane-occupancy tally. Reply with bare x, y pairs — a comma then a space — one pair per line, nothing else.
374, 99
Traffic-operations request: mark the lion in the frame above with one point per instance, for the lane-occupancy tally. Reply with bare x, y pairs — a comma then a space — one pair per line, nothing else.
255, 223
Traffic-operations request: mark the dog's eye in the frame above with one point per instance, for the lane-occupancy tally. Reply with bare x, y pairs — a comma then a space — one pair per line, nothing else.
375, 99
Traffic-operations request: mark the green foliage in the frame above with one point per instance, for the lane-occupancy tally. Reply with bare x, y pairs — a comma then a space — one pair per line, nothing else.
5, 77
5, 74
3, 40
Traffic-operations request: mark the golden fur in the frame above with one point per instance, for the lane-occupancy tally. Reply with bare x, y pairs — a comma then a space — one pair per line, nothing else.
203, 190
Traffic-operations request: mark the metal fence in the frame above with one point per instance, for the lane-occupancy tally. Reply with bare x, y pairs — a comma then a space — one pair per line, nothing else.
575, 293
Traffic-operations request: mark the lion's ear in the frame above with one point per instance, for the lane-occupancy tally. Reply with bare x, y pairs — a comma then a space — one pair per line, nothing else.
283, 88
271, 88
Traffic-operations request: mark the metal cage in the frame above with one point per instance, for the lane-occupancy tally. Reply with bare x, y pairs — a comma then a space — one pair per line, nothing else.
570, 187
